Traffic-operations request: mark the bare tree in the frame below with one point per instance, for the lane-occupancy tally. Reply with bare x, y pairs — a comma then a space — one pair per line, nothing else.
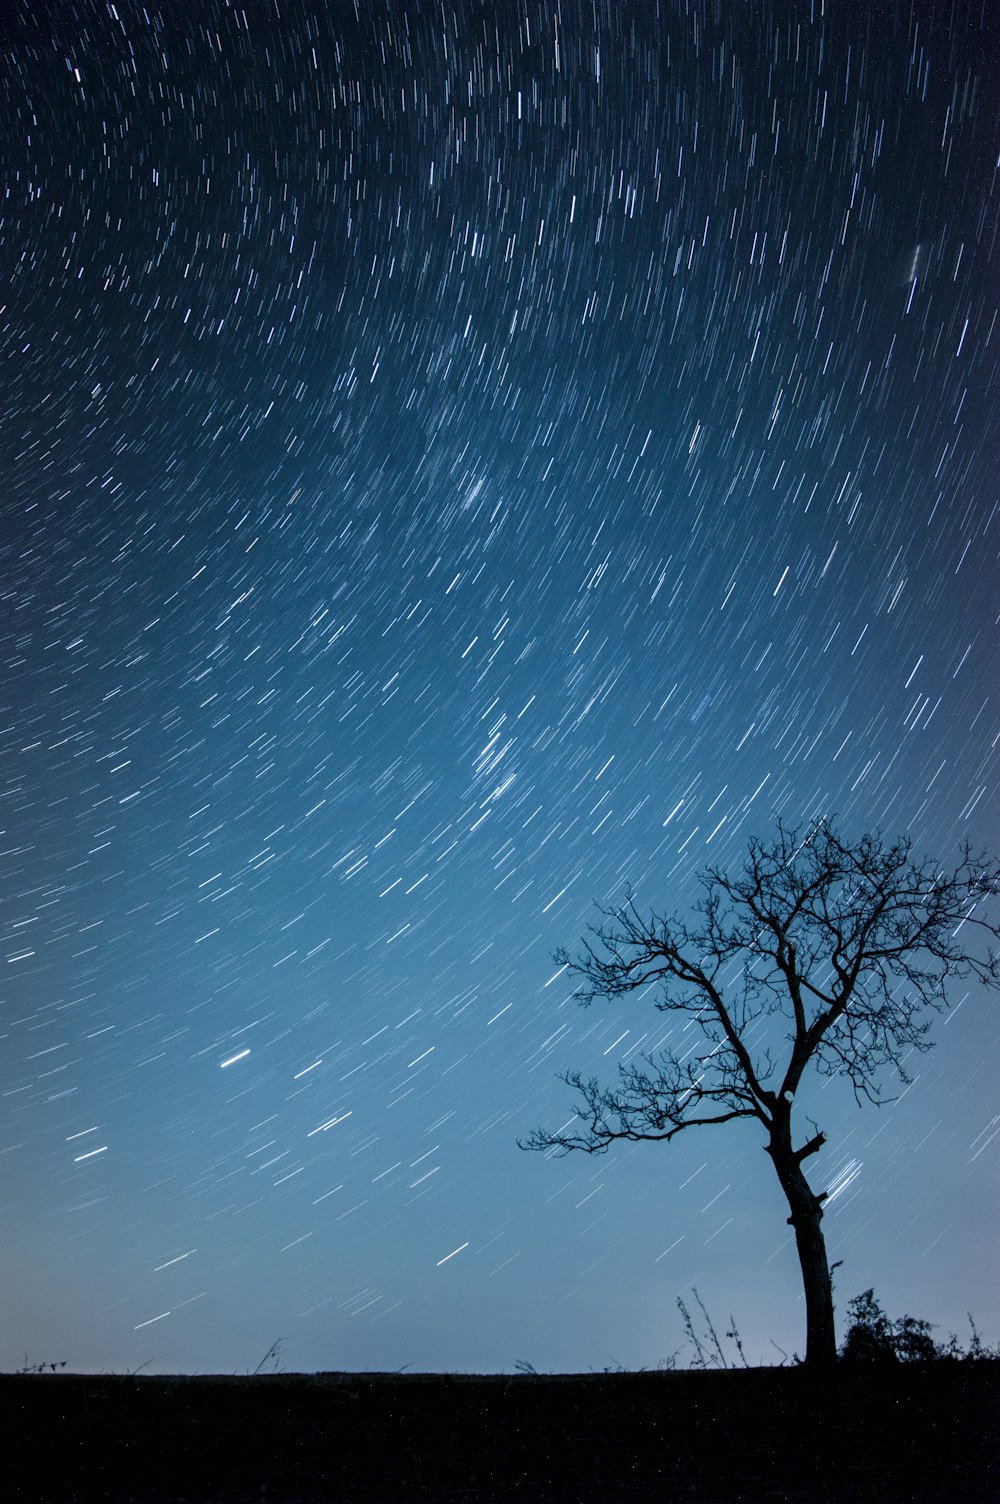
839, 950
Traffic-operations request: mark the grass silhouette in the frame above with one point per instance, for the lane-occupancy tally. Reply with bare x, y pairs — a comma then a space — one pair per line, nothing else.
719, 1432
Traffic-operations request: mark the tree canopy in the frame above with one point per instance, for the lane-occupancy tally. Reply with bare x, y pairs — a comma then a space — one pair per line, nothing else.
820, 952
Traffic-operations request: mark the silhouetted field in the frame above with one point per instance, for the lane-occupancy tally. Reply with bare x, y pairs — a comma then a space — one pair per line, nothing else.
915, 1433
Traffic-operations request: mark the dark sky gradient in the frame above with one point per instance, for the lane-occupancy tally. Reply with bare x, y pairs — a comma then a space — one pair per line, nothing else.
459, 460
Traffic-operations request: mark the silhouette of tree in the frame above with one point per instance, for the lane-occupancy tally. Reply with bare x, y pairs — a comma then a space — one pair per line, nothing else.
847, 947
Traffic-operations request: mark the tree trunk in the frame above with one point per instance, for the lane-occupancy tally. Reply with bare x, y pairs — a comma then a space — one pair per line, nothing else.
807, 1213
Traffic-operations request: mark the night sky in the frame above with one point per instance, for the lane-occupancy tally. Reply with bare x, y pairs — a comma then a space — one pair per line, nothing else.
459, 460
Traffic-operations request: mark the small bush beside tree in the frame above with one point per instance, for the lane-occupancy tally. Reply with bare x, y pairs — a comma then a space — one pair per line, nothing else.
873, 1338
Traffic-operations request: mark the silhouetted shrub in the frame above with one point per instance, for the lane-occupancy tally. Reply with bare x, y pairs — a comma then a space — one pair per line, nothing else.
873, 1338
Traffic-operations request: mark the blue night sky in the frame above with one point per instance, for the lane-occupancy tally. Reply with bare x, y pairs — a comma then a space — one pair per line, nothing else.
460, 460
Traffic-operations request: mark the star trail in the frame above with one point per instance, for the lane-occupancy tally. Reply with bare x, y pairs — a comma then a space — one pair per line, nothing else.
460, 460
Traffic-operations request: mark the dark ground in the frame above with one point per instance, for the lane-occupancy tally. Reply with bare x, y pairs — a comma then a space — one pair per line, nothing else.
915, 1433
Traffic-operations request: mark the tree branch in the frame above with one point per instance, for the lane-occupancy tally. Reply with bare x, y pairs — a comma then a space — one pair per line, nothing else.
812, 1147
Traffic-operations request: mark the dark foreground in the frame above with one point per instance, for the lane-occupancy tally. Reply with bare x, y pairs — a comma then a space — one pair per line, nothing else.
922, 1433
